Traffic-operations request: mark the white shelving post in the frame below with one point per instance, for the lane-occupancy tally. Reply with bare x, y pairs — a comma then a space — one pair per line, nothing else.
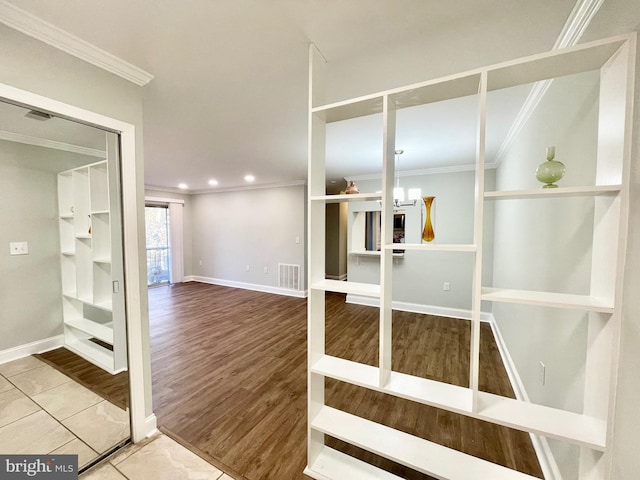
386, 238
316, 252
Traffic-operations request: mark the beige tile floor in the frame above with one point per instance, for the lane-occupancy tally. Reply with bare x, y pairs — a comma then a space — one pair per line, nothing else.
157, 458
43, 411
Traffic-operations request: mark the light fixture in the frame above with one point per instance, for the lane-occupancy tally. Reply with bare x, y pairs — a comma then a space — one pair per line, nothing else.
398, 192
183, 186
213, 182
249, 178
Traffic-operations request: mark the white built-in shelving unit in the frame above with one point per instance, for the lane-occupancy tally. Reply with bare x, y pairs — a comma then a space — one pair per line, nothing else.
590, 429
93, 310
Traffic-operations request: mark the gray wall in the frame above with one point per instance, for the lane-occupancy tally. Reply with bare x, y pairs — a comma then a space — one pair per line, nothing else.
30, 288
257, 228
418, 277
31, 65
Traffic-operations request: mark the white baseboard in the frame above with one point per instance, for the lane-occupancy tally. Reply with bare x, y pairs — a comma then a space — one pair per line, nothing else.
247, 286
419, 308
151, 425
27, 349
540, 444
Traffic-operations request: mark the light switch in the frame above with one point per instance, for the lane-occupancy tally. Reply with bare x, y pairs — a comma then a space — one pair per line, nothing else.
18, 248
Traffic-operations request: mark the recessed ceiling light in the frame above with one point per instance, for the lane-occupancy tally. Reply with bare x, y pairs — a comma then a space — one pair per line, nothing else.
213, 182
183, 186
249, 178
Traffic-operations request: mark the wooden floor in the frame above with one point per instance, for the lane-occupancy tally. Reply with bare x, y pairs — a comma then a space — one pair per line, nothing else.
114, 388
229, 379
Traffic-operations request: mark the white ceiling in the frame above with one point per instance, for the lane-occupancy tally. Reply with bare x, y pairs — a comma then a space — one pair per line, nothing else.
229, 95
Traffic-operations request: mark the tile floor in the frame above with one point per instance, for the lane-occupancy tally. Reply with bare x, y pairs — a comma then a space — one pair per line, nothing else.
157, 458
44, 411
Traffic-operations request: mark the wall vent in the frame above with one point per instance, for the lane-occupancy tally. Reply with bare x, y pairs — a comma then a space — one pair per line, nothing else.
289, 276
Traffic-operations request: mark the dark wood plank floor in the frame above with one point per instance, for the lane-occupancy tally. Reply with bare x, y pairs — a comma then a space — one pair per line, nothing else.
114, 388
229, 379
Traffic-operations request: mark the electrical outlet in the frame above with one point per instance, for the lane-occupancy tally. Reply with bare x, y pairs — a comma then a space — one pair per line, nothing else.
200, 262
18, 248
248, 268
446, 286
297, 239
266, 270
542, 373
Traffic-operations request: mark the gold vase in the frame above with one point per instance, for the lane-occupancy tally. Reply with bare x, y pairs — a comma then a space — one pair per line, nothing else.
427, 233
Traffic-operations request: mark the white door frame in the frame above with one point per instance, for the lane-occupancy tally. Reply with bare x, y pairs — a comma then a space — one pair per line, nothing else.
142, 425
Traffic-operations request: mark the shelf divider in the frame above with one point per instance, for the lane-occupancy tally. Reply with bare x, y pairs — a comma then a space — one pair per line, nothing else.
547, 299
355, 288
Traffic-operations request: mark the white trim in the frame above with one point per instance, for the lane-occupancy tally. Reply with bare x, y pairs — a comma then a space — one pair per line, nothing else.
419, 308
163, 200
247, 286
540, 444
43, 142
578, 21
139, 359
151, 425
27, 349
48, 33
424, 171
241, 188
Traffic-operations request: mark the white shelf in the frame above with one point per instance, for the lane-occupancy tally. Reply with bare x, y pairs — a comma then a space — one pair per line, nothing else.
89, 301
353, 288
356, 197
431, 247
66, 216
100, 212
429, 392
85, 236
554, 192
102, 260
68, 253
416, 453
550, 422
334, 465
93, 353
358, 107
94, 329
373, 253
547, 299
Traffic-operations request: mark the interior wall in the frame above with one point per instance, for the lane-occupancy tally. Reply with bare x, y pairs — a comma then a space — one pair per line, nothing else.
418, 277
236, 235
545, 245
34, 66
30, 285
336, 241
187, 224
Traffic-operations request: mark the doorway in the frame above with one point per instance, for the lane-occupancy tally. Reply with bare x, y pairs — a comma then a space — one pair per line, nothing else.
157, 240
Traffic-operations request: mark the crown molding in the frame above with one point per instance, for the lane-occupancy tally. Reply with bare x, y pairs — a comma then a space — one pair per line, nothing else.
575, 26
43, 142
223, 190
48, 33
424, 171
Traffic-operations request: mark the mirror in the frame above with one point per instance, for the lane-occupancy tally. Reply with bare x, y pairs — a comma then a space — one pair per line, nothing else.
63, 360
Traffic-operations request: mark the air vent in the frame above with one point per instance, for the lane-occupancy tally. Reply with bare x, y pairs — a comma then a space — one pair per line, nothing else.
289, 276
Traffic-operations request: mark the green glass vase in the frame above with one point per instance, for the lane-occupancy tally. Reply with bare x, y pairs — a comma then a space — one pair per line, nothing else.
551, 170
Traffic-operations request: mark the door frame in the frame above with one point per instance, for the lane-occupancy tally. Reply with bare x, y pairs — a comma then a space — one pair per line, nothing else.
142, 424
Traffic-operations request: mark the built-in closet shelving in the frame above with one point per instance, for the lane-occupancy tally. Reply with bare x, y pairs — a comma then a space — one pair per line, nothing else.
591, 429
94, 327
